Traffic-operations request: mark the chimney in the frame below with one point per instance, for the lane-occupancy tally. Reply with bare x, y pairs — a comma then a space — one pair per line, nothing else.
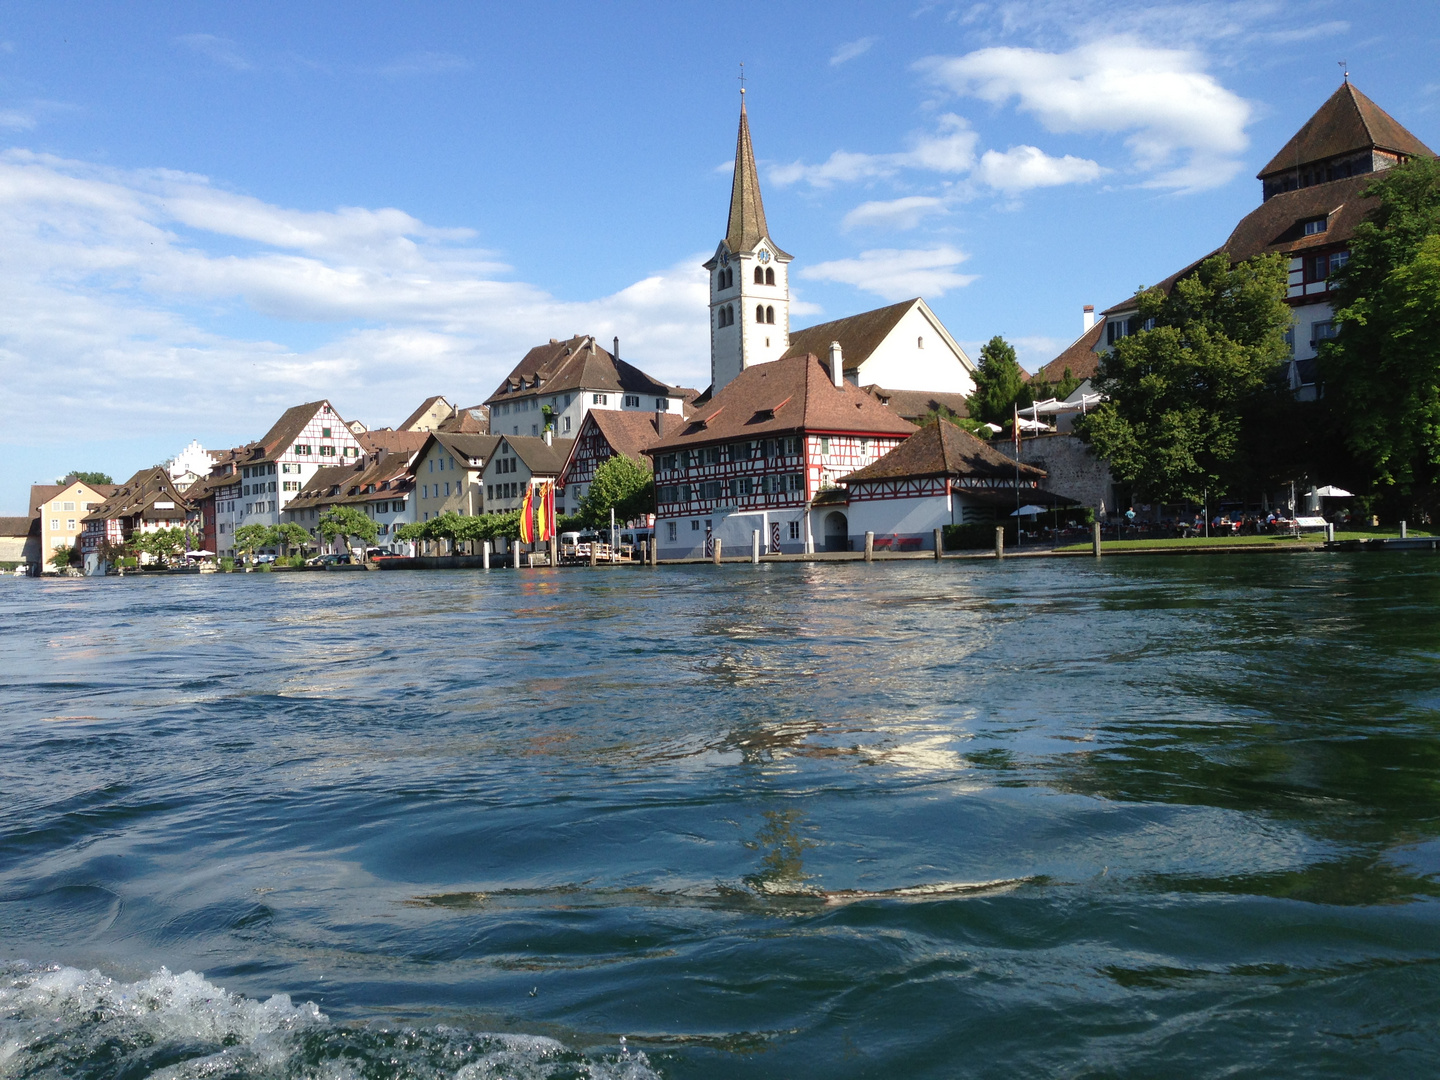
837, 365
1089, 316
616, 351
549, 436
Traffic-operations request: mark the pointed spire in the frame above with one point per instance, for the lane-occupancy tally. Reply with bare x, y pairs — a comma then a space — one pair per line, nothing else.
747, 213
1348, 122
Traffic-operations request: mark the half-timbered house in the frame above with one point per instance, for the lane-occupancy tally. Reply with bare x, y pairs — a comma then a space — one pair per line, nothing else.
604, 435
757, 456
939, 476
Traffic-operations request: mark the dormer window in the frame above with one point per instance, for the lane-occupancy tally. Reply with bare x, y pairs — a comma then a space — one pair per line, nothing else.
1315, 226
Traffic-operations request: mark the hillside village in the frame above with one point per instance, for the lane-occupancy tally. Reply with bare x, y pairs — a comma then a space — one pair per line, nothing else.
811, 438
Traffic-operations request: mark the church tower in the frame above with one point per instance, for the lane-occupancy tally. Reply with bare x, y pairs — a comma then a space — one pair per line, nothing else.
749, 278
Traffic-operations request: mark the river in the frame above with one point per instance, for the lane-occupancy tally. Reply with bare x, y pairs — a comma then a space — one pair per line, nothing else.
1141, 817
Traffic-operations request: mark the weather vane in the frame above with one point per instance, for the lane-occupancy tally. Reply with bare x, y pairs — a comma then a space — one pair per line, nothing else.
742, 76
1344, 66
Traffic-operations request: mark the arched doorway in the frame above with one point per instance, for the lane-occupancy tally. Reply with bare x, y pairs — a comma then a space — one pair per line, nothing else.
837, 532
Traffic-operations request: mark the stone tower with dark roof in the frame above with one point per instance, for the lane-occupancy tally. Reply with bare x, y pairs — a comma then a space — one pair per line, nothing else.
749, 278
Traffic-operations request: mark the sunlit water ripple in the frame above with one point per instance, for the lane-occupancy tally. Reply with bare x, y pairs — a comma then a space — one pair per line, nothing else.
1136, 818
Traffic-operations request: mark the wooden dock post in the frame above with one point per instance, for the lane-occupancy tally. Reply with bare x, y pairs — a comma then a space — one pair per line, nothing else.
754, 546
717, 551
1095, 538
594, 553
516, 560
1402, 530
869, 547
999, 541
939, 544
654, 551
485, 555
554, 551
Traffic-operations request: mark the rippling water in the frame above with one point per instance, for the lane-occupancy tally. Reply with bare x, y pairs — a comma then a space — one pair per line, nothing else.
1146, 817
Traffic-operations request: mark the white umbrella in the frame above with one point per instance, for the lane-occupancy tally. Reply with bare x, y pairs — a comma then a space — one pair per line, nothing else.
1030, 511
198, 554
1331, 492
996, 428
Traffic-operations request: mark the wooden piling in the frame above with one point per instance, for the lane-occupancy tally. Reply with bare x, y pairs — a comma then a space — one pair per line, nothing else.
717, 551
1095, 538
939, 544
999, 541
869, 547
594, 553
485, 555
754, 545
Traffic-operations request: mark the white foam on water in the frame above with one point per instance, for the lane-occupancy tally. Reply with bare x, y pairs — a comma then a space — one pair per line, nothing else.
60, 1021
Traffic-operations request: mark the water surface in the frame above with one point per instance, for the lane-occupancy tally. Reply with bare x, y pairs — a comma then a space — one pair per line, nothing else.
1136, 818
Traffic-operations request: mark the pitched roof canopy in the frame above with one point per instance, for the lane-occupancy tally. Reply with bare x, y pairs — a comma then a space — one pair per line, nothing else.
1080, 359
942, 449
859, 335
1348, 122
578, 363
746, 227
793, 394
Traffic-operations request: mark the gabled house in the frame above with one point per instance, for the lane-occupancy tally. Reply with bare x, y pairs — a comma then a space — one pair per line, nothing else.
939, 476
14, 538
606, 434
766, 446
447, 473
149, 501
58, 511
274, 469
555, 385
382, 488
1311, 204
903, 346
433, 411
520, 462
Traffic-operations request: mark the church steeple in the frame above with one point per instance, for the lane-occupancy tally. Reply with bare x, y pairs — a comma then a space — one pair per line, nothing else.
749, 278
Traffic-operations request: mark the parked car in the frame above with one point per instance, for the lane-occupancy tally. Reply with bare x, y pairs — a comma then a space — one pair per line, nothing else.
331, 559
260, 559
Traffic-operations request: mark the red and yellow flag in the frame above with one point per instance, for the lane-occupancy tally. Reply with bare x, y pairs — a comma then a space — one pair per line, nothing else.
547, 512
527, 524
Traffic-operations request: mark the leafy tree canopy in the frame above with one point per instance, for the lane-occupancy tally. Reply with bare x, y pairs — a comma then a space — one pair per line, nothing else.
347, 522
249, 538
91, 477
1000, 384
621, 482
1178, 390
1382, 373
292, 534
61, 557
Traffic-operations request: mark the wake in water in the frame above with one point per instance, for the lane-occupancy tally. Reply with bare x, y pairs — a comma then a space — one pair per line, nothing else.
60, 1021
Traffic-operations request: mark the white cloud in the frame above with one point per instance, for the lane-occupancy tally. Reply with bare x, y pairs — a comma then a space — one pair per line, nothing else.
851, 49
222, 50
949, 149
16, 120
159, 297
903, 213
1184, 128
1023, 167
895, 274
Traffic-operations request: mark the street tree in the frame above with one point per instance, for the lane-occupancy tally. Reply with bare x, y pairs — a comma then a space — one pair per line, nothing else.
1382, 372
250, 538
86, 477
623, 483
347, 522
1000, 384
1178, 391
291, 535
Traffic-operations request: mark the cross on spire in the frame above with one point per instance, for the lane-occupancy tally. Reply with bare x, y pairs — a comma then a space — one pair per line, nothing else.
742, 79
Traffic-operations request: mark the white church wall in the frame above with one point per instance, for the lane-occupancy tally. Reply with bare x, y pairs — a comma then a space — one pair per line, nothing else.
918, 354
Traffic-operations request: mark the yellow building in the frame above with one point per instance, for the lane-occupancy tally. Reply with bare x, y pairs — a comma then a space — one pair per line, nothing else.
447, 473
61, 508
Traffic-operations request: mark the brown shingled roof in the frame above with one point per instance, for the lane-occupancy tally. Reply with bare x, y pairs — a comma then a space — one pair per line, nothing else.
425, 406
859, 335
1348, 122
386, 441
288, 428
1277, 223
541, 458
942, 449
914, 405
578, 363
1080, 358
632, 433
14, 526
791, 394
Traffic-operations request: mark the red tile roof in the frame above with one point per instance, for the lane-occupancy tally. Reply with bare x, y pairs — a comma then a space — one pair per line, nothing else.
1080, 358
792, 394
942, 449
578, 363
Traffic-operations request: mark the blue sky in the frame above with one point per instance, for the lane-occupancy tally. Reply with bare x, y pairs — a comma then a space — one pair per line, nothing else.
210, 212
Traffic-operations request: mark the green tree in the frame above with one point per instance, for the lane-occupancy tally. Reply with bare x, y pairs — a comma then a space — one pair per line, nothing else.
61, 557
292, 535
1000, 384
1382, 372
163, 544
347, 522
1178, 392
91, 477
250, 538
623, 483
